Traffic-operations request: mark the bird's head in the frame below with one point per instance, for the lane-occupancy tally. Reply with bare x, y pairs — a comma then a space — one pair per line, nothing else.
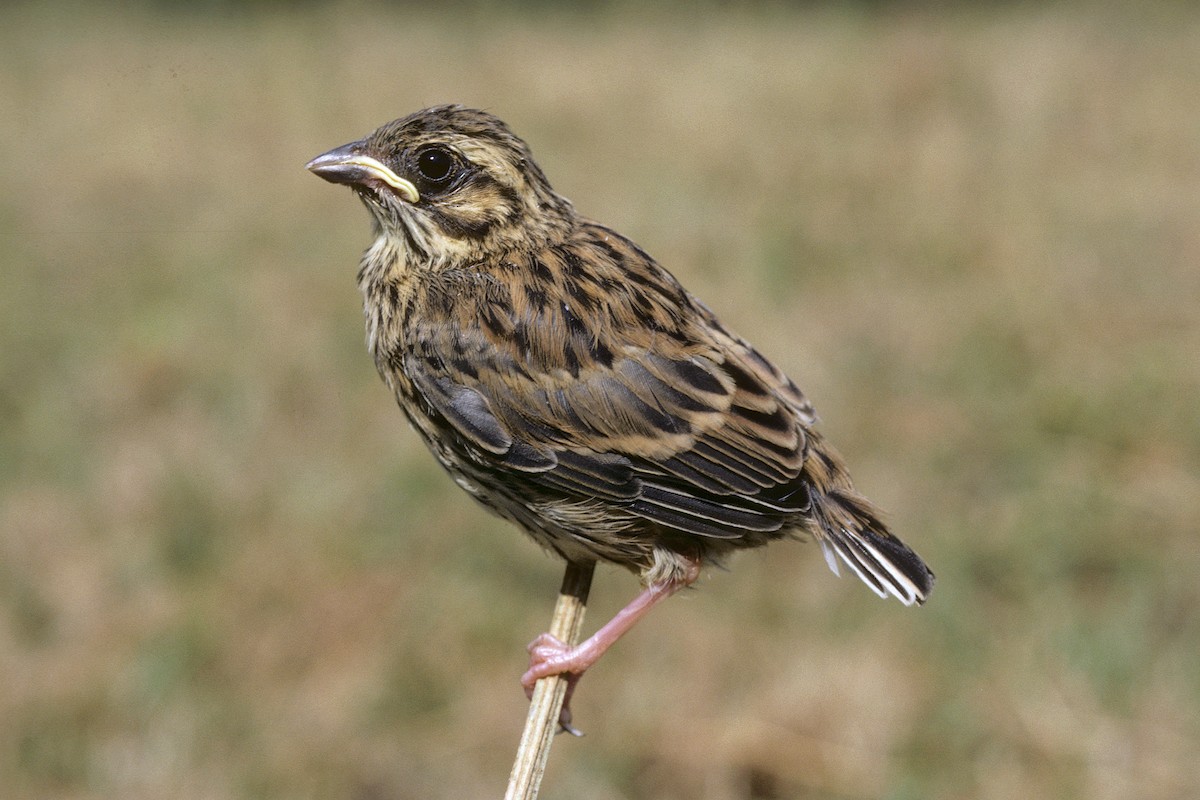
449, 182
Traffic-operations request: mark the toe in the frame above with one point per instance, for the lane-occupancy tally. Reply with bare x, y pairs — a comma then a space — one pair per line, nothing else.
546, 642
548, 655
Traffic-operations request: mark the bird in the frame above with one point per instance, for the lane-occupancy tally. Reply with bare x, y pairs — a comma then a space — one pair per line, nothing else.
570, 384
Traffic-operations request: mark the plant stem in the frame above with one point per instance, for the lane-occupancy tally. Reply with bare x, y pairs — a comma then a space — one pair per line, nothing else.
542, 722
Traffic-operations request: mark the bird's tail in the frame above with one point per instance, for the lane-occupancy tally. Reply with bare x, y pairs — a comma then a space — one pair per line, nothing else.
849, 529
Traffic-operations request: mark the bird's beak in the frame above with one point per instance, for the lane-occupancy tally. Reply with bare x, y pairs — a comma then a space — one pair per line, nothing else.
348, 164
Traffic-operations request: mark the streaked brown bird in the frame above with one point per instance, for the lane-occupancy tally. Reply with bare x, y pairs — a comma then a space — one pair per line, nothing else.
571, 384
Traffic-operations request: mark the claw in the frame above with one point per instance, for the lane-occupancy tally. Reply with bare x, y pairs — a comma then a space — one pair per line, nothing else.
564, 716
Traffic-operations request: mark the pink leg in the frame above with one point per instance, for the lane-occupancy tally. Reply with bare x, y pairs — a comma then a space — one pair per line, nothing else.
550, 656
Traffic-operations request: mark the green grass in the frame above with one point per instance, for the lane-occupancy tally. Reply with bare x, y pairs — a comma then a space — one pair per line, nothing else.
228, 570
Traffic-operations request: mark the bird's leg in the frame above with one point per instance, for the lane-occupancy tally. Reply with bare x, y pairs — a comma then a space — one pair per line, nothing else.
549, 655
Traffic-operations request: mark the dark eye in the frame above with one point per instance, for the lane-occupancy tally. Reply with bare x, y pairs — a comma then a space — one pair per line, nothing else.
437, 166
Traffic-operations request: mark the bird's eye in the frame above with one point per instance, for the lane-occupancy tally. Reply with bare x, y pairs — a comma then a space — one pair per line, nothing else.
437, 166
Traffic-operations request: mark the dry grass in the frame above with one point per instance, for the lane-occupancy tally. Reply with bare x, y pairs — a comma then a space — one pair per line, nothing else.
227, 569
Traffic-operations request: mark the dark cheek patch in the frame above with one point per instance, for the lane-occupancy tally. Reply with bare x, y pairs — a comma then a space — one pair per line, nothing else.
477, 206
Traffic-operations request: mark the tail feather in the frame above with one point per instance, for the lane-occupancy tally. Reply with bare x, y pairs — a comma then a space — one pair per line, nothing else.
849, 529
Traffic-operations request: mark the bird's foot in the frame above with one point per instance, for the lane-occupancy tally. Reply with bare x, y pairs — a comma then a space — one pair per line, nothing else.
549, 655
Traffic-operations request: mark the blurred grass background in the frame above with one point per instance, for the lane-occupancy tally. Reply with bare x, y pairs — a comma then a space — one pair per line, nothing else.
228, 570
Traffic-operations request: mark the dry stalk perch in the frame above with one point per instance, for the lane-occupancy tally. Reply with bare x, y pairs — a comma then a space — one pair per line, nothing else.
542, 722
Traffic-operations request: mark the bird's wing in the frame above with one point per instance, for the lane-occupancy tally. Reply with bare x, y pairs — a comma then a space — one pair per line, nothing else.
703, 437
